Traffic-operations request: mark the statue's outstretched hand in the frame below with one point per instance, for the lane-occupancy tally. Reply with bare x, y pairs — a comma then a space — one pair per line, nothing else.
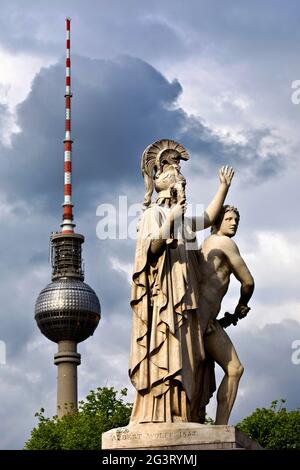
226, 174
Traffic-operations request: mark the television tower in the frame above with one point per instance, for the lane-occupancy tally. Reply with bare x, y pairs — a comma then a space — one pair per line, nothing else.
67, 311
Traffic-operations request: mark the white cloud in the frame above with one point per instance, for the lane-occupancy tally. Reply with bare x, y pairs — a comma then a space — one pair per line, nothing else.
124, 268
17, 73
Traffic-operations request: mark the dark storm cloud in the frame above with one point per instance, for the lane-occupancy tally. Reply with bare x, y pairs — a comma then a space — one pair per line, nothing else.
24, 240
249, 31
111, 285
17, 30
101, 28
119, 107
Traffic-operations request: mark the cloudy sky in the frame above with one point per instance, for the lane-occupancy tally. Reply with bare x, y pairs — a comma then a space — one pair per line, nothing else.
217, 77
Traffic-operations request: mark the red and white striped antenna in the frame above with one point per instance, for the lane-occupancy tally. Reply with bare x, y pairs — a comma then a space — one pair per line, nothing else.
68, 225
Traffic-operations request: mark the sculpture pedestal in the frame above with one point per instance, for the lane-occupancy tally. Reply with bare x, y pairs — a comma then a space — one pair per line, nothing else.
177, 436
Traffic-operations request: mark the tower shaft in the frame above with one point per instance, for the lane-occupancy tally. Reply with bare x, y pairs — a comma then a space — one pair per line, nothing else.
66, 359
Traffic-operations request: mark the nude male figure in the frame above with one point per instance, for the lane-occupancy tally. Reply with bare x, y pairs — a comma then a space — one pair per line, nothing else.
219, 258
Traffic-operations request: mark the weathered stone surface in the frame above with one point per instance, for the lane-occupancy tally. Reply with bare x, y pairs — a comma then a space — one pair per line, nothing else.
177, 436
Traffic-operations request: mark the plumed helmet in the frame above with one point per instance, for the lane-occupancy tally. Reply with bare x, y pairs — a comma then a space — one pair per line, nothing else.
153, 158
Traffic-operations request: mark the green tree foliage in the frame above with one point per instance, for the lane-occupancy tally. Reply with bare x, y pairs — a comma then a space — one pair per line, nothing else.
100, 411
274, 427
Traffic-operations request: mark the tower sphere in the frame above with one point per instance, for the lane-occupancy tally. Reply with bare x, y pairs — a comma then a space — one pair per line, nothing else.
67, 309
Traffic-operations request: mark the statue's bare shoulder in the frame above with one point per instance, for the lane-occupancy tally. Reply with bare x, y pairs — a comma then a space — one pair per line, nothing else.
226, 250
221, 243
226, 243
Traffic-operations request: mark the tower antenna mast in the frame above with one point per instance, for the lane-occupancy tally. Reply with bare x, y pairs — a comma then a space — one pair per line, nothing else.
68, 225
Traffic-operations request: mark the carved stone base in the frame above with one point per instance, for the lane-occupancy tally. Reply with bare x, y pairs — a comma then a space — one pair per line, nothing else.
181, 436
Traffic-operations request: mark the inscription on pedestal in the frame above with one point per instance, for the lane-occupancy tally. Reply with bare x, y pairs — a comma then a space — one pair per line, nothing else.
125, 434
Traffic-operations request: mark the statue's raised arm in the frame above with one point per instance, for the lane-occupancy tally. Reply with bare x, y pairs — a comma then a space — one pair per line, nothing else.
226, 174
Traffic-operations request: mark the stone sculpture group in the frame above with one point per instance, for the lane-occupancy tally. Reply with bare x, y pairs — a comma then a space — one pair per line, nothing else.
177, 292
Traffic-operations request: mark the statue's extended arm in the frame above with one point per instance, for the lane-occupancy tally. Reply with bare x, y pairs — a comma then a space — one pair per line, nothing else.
242, 273
212, 210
